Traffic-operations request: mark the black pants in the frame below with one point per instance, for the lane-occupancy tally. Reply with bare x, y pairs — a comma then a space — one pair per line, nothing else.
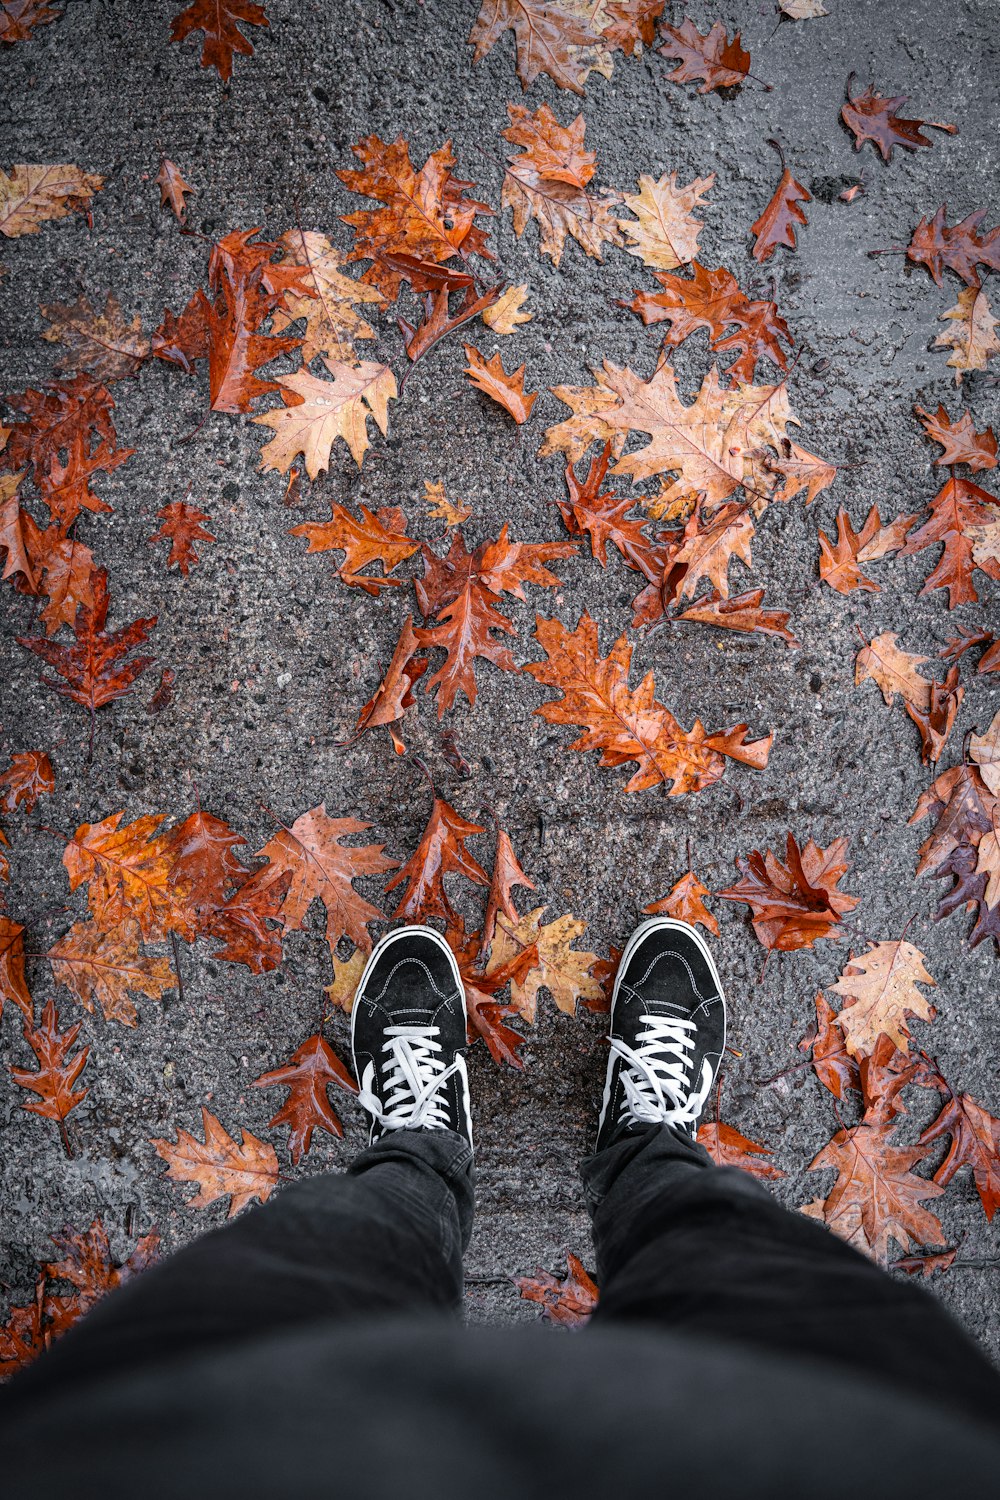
680, 1243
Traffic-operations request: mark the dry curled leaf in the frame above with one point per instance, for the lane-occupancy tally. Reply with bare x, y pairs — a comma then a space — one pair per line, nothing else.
174, 190
221, 1166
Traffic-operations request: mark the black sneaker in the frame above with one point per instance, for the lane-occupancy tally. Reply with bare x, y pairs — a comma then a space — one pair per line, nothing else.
668, 1031
408, 1027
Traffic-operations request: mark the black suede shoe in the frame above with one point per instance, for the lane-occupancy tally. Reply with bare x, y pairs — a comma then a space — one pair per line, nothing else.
668, 1031
408, 1028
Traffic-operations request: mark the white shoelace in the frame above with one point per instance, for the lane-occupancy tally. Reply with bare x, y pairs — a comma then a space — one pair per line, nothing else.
657, 1073
414, 1077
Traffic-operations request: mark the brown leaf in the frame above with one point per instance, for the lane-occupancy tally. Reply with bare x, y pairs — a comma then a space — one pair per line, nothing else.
203, 865
507, 873
102, 967
686, 901
559, 206
438, 320
426, 214
777, 224
65, 571
182, 528
327, 303
881, 993
937, 719
924, 1264
960, 249
93, 670
22, 1338
796, 903
375, 538
893, 670
838, 561
508, 390
394, 694
960, 441
58, 1070
719, 62
244, 924
550, 961
567, 1300
307, 1075
833, 1065
28, 777
957, 508
628, 725
101, 344
743, 612
127, 872
219, 21
971, 334
88, 1265
548, 37
975, 1143
602, 515
631, 23
664, 233
66, 438
221, 1166
504, 315
12, 983
317, 412
728, 1148
439, 507
869, 117
30, 194
174, 189
876, 1190
441, 852
18, 19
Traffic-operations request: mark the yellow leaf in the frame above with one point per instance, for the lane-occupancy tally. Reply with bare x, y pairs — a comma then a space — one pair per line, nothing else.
32, 194
881, 991
506, 312
319, 411
664, 232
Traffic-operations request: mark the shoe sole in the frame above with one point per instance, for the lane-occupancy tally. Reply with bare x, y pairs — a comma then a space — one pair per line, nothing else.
419, 929
661, 924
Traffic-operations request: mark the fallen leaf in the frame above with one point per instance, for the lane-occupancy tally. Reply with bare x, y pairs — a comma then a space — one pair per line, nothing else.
869, 117
18, 19
719, 62
328, 301
627, 725
30, 195
126, 869
103, 967
555, 964
220, 22
12, 984
631, 24
925, 1265
664, 232
881, 992
560, 207
221, 1166
975, 1143
66, 438
777, 224
375, 538
937, 719
508, 391
439, 320
65, 571
960, 249
796, 903
203, 865
957, 508
508, 311
317, 412
59, 1068
439, 507
174, 190
567, 1300
507, 873
182, 528
686, 901
833, 1065
893, 670
247, 925
875, 1183
101, 344
307, 1075
548, 37
984, 749
728, 1148
742, 612
801, 10
28, 777
972, 336
441, 852
88, 1265
394, 694
346, 978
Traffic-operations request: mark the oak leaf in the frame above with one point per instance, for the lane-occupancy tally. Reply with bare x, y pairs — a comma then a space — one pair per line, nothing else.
587, 425
777, 224
346, 978
439, 319
630, 725
221, 1166
317, 412
28, 777
796, 903
18, 19
248, 925
603, 516
960, 442
833, 1065
66, 438
728, 1148
64, 570
182, 528
441, 852
631, 24
394, 694
327, 303
549, 38
566, 1300
488, 1012
102, 344
126, 869
103, 967
802, 10
742, 612
29, 195
972, 334
876, 1190
377, 537
58, 1070
307, 1075
489, 376
504, 315
174, 190
975, 1143
89, 1266
507, 873
956, 510
881, 992
323, 868
94, 669
893, 670
838, 560
686, 901
556, 965
870, 117
936, 719
12, 983
984, 750
703, 549
560, 207
712, 300
960, 249
719, 62
203, 865
664, 233
439, 507
220, 22
426, 214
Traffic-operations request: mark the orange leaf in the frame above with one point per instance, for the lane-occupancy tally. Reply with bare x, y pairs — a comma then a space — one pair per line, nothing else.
728, 1148
220, 1166
491, 377
441, 852
58, 1067
182, 528
869, 117
219, 21
568, 1300
796, 903
12, 983
28, 777
686, 901
313, 1066
375, 538
776, 225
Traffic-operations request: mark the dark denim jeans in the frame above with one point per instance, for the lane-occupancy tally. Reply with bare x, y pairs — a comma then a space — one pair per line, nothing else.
680, 1243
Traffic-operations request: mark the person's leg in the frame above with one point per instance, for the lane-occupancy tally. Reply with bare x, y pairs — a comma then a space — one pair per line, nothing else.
706, 1250
387, 1236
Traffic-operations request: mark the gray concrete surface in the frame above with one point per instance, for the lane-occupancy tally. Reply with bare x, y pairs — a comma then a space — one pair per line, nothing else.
274, 656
